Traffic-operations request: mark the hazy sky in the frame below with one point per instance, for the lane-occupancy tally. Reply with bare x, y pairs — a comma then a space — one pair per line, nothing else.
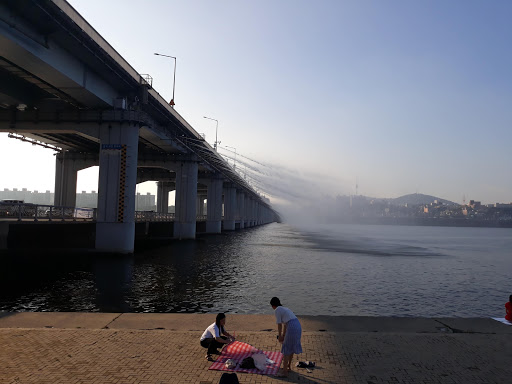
402, 96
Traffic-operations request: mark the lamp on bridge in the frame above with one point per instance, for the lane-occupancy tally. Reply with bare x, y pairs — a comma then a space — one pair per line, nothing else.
216, 129
234, 164
171, 103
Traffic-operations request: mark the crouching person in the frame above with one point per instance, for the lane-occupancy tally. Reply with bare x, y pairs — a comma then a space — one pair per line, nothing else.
215, 336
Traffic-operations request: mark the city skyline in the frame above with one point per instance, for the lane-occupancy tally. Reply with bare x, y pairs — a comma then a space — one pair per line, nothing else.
10, 193
339, 94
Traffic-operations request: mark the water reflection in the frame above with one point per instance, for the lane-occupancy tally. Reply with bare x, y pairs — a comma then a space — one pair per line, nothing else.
113, 279
350, 270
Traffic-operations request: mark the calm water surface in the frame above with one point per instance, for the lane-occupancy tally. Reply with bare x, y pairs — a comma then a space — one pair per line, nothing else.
321, 270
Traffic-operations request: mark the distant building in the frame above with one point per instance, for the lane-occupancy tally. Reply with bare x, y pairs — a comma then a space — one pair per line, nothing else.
503, 206
145, 202
43, 198
87, 200
84, 199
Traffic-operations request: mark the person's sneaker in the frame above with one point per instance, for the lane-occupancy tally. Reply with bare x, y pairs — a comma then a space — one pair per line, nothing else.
209, 357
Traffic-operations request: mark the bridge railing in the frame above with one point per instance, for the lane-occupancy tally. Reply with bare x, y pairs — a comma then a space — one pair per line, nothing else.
153, 216
41, 212
157, 216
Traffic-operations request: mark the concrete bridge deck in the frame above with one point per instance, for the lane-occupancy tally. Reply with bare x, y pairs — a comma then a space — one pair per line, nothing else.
164, 348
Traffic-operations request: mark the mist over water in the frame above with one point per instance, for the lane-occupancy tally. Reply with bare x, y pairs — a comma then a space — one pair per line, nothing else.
291, 189
315, 270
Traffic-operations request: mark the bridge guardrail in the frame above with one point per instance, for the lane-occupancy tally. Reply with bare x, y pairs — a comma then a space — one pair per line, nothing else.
41, 212
36, 212
153, 216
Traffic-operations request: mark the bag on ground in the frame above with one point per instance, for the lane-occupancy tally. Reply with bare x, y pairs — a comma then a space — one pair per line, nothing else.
247, 363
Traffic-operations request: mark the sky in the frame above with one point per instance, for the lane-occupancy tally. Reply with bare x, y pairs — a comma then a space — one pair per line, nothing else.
395, 96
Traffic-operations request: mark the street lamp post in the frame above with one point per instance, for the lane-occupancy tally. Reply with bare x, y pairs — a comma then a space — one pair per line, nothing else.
216, 129
234, 164
174, 78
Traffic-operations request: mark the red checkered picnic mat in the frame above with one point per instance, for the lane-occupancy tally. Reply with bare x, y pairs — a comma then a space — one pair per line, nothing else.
237, 351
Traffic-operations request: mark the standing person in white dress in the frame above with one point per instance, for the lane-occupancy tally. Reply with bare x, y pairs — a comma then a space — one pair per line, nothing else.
289, 333
212, 336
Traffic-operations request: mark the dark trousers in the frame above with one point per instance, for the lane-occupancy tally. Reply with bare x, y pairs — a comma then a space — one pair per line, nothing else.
212, 344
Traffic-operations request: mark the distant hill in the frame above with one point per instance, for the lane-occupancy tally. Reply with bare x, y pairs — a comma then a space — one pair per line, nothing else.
419, 199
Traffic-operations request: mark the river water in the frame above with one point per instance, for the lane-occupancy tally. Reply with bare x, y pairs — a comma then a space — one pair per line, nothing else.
321, 270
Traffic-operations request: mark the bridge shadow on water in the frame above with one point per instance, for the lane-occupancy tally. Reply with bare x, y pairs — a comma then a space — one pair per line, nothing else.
165, 276
64, 281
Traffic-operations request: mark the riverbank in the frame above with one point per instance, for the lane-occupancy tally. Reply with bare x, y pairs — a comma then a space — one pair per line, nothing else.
58, 347
429, 222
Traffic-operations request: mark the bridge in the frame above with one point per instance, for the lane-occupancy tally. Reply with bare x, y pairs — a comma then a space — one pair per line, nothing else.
63, 85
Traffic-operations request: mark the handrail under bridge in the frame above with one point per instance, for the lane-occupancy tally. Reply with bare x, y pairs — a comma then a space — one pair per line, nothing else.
43, 212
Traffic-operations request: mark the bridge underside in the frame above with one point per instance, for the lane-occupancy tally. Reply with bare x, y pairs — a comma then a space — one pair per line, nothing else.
63, 86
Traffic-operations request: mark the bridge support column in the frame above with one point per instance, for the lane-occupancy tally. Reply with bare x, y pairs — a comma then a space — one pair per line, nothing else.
241, 209
162, 195
204, 205
248, 202
186, 195
67, 166
115, 226
229, 208
257, 213
214, 206
200, 205
251, 213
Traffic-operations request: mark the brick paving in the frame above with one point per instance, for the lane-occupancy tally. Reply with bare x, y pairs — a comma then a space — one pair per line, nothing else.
50, 355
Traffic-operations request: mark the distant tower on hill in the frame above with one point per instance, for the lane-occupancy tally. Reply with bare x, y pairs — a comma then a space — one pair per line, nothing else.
357, 186
464, 199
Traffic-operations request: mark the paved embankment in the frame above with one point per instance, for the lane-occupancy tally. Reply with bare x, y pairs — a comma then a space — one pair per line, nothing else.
164, 348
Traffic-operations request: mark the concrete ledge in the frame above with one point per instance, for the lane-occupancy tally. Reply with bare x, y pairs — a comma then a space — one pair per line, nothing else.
252, 323
191, 321
56, 320
475, 325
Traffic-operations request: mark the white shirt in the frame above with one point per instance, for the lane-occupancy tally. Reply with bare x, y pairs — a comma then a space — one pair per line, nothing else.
284, 315
211, 332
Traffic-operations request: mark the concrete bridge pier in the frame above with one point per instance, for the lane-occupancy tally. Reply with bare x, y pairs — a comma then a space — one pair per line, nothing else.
247, 216
248, 212
200, 204
162, 195
115, 226
214, 205
255, 213
241, 208
204, 202
67, 166
229, 208
186, 195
